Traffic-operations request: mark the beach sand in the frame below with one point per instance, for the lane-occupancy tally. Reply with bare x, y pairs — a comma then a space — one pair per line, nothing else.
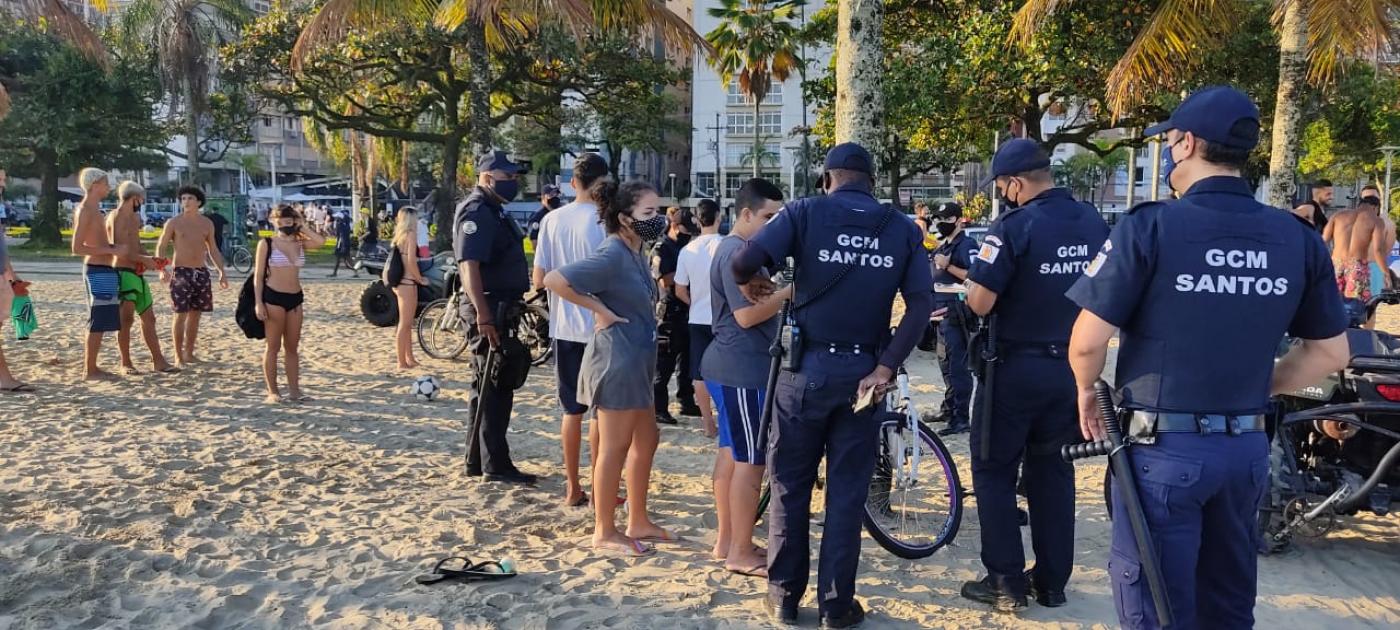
182, 501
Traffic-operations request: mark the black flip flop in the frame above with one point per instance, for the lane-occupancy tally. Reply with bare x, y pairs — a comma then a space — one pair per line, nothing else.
468, 573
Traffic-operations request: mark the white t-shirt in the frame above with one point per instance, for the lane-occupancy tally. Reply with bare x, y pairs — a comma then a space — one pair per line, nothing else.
693, 270
568, 234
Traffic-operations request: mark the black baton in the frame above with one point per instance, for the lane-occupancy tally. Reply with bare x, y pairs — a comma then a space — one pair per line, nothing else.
1122, 467
775, 365
989, 377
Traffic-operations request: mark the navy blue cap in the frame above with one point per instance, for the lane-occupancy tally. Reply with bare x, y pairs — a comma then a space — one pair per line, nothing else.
948, 210
850, 156
1211, 114
550, 189
1016, 156
496, 161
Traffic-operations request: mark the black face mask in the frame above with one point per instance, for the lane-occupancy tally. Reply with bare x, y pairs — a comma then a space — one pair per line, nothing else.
1006, 201
946, 227
288, 229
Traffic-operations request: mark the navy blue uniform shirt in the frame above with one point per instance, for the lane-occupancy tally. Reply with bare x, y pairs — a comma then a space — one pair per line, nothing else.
1029, 257
1202, 289
826, 233
960, 250
483, 232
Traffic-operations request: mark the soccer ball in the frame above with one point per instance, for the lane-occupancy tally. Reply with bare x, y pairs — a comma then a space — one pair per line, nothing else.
426, 388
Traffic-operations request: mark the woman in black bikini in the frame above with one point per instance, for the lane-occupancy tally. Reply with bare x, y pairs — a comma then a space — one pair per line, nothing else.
277, 284
401, 273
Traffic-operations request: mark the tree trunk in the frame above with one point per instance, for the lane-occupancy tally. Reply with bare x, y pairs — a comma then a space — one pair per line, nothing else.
479, 94
757, 140
445, 198
191, 133
46, 231
1288, 112
860, 102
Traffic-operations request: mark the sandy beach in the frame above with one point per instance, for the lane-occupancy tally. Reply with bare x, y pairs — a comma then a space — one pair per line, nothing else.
182, 501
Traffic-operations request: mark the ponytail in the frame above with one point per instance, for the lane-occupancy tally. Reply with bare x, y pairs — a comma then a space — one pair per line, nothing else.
615, 199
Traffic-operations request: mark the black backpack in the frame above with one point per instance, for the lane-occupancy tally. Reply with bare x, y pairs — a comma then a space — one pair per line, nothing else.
247, 312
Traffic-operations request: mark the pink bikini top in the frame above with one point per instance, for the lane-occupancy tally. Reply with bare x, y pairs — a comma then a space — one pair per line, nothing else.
278, 259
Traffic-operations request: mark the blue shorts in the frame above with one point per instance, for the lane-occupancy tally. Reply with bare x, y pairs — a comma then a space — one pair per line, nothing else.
700, 337
1378, 278
104, 303
739, 414
568, 358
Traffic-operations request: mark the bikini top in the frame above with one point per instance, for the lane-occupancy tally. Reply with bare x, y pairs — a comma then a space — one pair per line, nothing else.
278, 259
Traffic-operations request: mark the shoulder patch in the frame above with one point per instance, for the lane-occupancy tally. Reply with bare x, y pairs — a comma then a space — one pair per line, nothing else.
469, 227
988, 253
993, 239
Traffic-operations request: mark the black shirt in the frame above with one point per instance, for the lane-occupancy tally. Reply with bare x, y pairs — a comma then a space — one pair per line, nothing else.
668, 253
219, 224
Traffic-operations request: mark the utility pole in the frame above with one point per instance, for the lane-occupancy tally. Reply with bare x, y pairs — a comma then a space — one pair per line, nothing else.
1156, 169
719, 173
806, 130
1132, 171
996, 199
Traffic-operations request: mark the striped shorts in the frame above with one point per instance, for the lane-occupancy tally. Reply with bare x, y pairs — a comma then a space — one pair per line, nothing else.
739, 412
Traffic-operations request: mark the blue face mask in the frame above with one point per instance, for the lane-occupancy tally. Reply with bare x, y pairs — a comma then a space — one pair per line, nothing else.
1169, 163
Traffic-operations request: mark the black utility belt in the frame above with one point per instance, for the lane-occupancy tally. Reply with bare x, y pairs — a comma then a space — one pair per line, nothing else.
1144, 426
1019, 349
839, 347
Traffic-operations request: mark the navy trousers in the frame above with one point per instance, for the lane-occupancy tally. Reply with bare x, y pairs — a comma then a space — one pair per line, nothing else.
813, 417
1201, 497
952, 362
1034, 413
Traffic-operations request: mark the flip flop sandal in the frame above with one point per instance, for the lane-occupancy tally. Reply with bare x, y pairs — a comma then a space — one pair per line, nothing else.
669, 537
478, 572
637, 549
758, 571
22, 388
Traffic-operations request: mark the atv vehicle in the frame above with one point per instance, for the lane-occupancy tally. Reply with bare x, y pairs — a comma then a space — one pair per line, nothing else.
378, 303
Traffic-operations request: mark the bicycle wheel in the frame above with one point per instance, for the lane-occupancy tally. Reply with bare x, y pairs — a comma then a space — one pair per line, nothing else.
241, 260
441, 332
533, 331
913, 511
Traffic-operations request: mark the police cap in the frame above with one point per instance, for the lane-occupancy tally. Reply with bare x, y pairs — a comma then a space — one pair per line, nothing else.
1016, 156
1213, 114
849, 156
948, 210
496, 161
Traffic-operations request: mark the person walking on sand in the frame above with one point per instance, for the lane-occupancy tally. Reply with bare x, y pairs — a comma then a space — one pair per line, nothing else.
619, 363
1357, 238
91, 242
402, 275
569, 234
344, 234
279, 298
8, 383
124, 230
191, 235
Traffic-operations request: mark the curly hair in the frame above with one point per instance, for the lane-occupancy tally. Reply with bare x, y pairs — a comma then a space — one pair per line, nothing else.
614, 200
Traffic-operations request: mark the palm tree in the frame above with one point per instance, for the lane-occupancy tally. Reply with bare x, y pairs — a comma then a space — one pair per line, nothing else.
1315, 37
756, 41
758, 155
186, 35
69, 28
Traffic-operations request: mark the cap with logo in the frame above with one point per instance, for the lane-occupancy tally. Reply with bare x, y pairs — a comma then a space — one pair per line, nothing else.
1213, 114
849, 156
948, 210
496, 161
1016, 156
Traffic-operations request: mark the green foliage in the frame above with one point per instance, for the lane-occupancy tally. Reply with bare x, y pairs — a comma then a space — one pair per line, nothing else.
68, 112
1086, 174
1360, 114
976, 206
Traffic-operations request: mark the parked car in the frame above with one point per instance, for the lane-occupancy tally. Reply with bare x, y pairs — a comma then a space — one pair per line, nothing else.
21, 213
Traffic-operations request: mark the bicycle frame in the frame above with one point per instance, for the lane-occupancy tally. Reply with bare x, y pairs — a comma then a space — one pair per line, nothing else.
899, 401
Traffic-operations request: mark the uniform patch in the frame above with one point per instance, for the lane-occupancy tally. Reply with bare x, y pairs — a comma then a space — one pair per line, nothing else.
993, 239
1097, 263
988, 253
469, 227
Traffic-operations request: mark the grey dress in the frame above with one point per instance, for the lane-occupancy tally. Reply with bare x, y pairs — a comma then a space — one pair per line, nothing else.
619, 363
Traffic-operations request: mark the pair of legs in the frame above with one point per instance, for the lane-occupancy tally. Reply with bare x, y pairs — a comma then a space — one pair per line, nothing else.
148, 334
349, 264
407, 294
626, 436
737, 487
283, 334
185, 332
7, 296
571, 434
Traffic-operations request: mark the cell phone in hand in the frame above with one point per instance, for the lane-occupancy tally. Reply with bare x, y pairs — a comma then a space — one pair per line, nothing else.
866, 400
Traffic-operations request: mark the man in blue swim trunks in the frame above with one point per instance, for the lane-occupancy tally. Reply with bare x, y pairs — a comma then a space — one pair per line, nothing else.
90, 241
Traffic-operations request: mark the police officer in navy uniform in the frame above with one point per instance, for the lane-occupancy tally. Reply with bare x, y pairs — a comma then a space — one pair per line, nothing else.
1030, 256
491, 258
1201, 289
951, 260
852, 255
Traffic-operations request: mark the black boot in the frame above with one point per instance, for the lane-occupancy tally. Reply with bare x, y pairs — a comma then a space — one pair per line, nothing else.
1048, 599
988, 591
853, 617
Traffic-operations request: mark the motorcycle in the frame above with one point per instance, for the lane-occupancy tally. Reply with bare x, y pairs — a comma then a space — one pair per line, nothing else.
1335, 445
378, 304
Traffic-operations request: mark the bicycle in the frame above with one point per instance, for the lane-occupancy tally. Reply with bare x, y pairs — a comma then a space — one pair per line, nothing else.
915, 503
240, 259
444, 334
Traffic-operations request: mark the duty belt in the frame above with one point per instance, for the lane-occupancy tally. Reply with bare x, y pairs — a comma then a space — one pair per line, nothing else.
839, 347
1143, 425
1020, 349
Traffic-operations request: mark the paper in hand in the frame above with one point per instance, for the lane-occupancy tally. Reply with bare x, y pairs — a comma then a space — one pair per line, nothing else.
866, 399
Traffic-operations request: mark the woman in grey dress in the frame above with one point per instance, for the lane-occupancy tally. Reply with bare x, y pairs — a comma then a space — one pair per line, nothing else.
620, 361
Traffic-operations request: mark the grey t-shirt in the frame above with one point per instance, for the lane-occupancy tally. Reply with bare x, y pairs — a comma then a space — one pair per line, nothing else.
738, 356
619, 362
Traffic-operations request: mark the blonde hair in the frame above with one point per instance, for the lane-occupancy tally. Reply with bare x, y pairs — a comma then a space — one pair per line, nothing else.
129, 189
89, 176
406, 228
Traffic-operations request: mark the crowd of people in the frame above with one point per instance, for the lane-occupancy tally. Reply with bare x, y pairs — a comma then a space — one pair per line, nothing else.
1045, 291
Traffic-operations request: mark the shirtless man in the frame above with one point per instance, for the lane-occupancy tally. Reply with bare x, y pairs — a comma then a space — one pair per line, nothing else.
90, 241
191, 235
1358, 239
124, 229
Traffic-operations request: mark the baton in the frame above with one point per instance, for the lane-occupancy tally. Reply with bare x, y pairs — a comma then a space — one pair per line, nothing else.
1122, 468
775, 365
989, 374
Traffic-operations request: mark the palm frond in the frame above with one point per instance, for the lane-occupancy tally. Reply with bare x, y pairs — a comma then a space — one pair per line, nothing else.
1343, 29
1166, 49
337, 18
1031, 17
68, 27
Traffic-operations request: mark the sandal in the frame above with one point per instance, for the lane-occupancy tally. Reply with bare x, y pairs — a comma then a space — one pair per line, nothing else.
469, 572
22, 388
